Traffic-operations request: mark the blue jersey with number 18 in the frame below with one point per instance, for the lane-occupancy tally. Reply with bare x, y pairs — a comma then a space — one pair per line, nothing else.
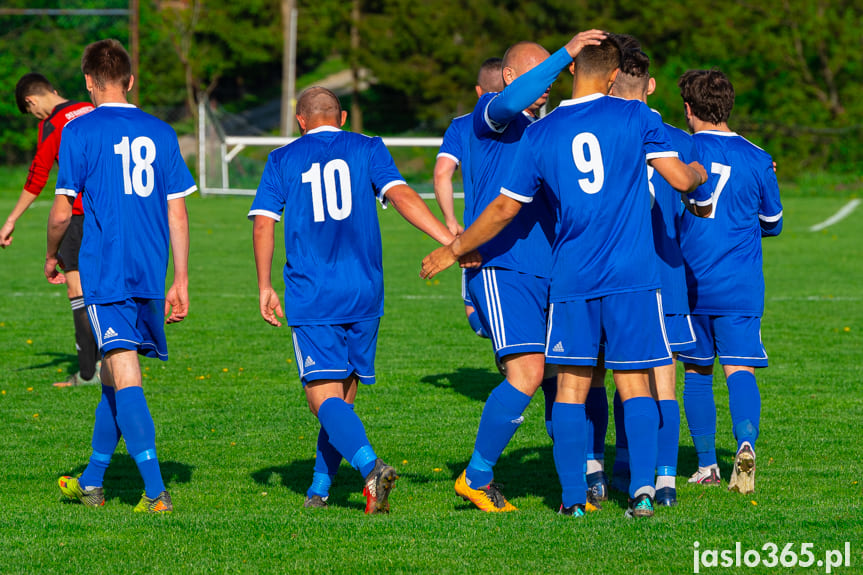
723, 252
326, 183
127, 164
590, 155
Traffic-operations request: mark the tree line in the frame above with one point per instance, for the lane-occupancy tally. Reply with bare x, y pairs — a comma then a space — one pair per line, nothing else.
796, 65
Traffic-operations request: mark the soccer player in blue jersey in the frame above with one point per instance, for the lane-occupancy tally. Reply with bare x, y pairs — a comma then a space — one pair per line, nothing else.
334, 297
589, 157
453, 151
511, 289
136, 182
634, 83
724, 271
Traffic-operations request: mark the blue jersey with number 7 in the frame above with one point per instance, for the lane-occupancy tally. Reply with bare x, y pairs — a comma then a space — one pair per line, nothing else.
127, 164
722, 253
325, 184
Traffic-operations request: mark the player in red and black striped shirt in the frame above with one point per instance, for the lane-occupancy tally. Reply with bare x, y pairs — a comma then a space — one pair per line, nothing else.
35, 95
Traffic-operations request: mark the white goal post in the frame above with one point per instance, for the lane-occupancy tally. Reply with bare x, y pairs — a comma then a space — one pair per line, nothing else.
216, 151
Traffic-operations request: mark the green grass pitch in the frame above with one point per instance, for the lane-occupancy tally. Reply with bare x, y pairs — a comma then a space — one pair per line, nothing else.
236, 440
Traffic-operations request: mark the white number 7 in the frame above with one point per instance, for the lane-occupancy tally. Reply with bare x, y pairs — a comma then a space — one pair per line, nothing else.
724, 172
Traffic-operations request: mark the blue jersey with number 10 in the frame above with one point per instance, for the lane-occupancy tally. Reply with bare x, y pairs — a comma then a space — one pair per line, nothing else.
326, 183
590, 155
127, 164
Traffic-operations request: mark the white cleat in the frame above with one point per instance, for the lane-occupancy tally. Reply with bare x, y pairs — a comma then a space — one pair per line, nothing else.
743, 476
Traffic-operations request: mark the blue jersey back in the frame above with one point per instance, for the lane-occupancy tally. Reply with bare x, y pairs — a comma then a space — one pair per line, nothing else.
127, 164
666, 213
328, 180
590, 155
456, 146
723, 252
525, 244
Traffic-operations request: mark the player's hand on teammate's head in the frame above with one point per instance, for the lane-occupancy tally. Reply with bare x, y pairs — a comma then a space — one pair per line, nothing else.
176, 304
53, 275
437, 261
6, 234
471, 260
271, 307
582, 39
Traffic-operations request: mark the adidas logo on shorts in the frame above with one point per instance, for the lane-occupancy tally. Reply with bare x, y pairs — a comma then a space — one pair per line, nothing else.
558, 348
109, 333
309, 361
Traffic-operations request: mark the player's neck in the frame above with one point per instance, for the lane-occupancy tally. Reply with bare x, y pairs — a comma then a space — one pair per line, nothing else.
702, 126
588, 86
110, 95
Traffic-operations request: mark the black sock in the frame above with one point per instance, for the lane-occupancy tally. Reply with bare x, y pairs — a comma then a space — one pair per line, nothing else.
85, 343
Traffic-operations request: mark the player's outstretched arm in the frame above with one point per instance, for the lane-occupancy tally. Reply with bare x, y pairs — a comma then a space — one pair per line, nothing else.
263, 240
177, 298
490, 222
58, 222
25, 200
412, 208
444, 169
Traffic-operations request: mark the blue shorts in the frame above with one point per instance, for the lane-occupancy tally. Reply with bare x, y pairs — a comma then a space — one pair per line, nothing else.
681, 336
512, 307
735, 339
135, 324
630, 324
336, 352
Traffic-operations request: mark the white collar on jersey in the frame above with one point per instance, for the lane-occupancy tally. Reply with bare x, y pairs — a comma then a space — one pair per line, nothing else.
323, 129
583, 99
717, 133
117, 105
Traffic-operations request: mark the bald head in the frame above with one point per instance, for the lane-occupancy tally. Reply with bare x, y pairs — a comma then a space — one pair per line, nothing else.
521, 58
318, 106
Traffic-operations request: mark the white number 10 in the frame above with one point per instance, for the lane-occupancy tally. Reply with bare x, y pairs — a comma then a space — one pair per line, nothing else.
331, 169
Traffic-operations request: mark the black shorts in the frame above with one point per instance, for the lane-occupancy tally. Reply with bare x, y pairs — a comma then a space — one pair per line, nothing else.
71, 244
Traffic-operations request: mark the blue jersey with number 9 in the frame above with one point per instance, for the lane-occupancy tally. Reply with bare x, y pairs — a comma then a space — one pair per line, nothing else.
326, 183
590, 154
127, 164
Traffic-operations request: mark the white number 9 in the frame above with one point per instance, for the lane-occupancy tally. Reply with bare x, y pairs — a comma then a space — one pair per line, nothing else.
585, 165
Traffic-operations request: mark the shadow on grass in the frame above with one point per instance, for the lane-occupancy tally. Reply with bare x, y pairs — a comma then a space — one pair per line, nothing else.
68, 361
297, 476
471, 382
123, 481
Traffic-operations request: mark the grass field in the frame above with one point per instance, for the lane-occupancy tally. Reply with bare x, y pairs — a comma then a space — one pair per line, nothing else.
236, 440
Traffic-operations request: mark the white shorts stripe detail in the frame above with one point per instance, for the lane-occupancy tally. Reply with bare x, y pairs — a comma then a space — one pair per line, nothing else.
662, 322
91, 310
549, 326
298, 354
492, 298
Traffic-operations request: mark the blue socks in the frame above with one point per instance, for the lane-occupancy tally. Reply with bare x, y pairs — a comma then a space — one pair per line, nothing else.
347, 434
668, 438
596, 411
549, 390
641, 420
500, 419
700, 410
476, 325
136, 425
106, 435
570, 449
745, 404
621, 445
327, 461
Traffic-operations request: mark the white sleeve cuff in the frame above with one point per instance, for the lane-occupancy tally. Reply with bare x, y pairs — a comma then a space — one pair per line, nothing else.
66, 192
653, 155
183, 194
448, 156
267, 213
516, 197
770, 219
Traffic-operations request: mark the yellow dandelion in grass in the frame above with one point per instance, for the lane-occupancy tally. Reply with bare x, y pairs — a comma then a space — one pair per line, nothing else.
29, 389
3, 392
241, 369
846, 328
143, 375
263, 493
428, 282
2, 324
35, 415
753, 502
212, 431
302, 437
404, 461
233, 443
188, 369
29, 342
225, 369
437, 282
437, 470
200, 377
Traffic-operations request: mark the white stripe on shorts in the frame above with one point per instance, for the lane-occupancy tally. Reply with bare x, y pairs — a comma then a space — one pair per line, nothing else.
91, 310
298, 354
492, 300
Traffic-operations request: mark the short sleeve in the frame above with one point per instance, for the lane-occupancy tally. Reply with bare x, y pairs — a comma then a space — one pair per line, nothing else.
655, 139
523, 179
181, 182
451, 147
382, 169
73, 169
483, 126
270, 198
771, 206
